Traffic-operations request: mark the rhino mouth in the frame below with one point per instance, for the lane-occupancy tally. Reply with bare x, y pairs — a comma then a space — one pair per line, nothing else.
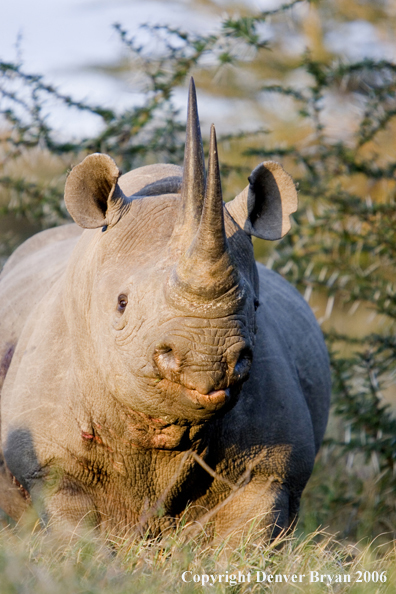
213, 401
214, 398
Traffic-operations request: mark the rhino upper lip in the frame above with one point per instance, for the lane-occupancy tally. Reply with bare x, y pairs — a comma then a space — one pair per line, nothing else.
213, 400
214, 397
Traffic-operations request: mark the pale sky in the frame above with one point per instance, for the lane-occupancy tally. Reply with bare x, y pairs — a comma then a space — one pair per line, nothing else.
63, 39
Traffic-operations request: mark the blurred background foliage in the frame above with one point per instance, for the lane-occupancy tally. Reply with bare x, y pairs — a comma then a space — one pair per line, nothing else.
311, 102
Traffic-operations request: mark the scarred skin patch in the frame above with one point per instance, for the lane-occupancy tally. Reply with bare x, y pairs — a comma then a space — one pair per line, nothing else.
141, 431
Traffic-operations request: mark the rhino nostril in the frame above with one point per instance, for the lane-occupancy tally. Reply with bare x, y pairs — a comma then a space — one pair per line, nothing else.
243, 364
166, 360
163, 350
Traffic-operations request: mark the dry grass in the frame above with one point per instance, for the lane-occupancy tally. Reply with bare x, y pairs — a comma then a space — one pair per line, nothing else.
33, 561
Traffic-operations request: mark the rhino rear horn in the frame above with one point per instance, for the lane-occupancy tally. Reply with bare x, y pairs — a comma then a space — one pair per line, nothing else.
92, 194
209, 246
206, 271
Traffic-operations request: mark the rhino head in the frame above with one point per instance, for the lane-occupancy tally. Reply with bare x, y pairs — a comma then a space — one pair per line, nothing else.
162, 300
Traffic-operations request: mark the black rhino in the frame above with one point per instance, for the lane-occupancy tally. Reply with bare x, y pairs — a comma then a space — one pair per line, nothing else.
149, 364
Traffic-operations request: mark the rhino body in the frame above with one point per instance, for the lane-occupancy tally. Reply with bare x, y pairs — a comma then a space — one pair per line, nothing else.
149, 365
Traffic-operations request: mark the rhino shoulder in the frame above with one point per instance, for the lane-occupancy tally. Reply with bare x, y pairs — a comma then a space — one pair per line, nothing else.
26, 278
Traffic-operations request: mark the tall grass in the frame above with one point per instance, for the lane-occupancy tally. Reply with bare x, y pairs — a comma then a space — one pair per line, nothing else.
32, 561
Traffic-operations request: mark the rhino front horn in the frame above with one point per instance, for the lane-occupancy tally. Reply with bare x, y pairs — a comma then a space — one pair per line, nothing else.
193, 184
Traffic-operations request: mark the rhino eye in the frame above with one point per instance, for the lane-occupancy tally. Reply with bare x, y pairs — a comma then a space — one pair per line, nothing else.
122, 303
256, 304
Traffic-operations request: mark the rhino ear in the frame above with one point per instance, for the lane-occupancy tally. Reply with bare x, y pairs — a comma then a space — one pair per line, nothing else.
92, 194
263, 208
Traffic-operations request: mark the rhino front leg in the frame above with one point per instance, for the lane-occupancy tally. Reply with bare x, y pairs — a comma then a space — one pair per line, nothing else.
66, 509
264, 505
57, 498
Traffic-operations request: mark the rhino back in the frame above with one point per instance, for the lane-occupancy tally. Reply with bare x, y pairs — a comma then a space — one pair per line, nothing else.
306, 348
136, 180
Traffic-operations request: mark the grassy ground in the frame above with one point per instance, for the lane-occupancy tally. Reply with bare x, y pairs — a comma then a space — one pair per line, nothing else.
33, 562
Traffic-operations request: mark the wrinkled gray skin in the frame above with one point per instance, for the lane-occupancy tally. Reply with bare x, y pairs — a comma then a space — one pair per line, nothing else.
133, 351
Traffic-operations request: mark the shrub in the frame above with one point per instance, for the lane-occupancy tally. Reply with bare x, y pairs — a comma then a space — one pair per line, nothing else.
341, 249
